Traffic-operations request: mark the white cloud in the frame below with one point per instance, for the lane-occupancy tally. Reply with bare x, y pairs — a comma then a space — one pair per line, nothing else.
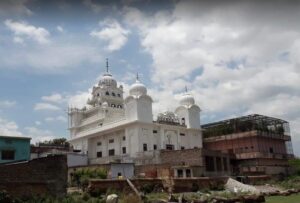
7, 104
113, 33
9, 128
58, 118
61, 118
17, 7
46, 106
37, 122
57, 57
96, 8
18, 40
60, 28
55, 98
39, 135
49, 119
22, 29
234, 57
79, 99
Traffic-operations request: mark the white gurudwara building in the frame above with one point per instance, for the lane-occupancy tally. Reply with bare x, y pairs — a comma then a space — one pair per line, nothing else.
113, 129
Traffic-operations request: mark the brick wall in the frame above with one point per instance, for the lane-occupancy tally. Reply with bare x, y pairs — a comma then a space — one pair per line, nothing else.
44, 176
195, 184
182, 157
244, 144
179, 184
154, 170
193, 158
120, 185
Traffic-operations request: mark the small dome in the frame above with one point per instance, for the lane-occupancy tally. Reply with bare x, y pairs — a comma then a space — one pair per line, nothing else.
137, 89
168, 117
107, 80
187, 99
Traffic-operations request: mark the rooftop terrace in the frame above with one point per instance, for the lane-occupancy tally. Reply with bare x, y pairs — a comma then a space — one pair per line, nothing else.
246, 123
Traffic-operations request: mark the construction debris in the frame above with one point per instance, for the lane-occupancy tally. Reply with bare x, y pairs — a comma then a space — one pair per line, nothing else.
236, 187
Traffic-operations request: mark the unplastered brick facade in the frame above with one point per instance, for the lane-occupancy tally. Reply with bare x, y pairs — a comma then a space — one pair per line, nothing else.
182, 157
44, 176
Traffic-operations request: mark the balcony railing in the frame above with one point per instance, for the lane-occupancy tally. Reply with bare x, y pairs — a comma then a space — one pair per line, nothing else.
266, 155
91, 119
105, 126
110, 159
251, 133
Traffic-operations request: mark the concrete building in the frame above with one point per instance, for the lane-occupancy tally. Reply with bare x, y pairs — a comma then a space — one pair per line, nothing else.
110, 129
113, 129
13, 149
257, 144
46, 150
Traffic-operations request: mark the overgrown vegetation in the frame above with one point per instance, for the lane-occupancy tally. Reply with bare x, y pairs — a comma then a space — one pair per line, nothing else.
195, 196
80, 178
71, 198
290, 182
295, 165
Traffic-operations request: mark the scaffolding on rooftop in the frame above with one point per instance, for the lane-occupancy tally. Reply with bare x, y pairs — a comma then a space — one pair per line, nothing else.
247, 123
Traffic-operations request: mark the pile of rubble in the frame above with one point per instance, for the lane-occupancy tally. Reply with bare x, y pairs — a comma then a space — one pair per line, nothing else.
238, 187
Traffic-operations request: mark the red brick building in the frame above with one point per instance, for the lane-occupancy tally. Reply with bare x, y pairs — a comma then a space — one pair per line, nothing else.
258, 144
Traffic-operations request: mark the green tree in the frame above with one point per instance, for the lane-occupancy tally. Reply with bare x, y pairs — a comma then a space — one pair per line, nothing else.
56, 141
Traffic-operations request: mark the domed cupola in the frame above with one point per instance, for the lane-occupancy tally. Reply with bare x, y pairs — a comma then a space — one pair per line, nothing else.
138, 88
187, 99
188, 112
138, 105
107, 78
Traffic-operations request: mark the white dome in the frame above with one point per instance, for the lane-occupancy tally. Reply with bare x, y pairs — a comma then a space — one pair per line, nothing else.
187, 99
108, 80
137, 89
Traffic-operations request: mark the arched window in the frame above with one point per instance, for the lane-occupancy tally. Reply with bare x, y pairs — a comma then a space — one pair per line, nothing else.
98, 95
119, 106
106, 93
183, 121
113, 94
119, 95
113, 105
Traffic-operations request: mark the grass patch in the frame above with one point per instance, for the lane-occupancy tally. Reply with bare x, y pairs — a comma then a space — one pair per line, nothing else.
284, 199
156, 196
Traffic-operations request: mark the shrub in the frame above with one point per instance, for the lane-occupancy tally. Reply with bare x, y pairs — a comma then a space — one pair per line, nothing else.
5, 197
86, 196
110, 191
81, 177
96, 193
147, 188
195, 187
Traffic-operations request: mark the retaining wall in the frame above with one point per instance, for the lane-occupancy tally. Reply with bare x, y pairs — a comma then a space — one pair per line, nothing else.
179, 184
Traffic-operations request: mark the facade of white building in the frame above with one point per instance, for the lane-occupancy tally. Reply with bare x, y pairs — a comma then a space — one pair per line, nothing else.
113, 129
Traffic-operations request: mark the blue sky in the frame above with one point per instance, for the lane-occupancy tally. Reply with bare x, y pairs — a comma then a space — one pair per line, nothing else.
236, 58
